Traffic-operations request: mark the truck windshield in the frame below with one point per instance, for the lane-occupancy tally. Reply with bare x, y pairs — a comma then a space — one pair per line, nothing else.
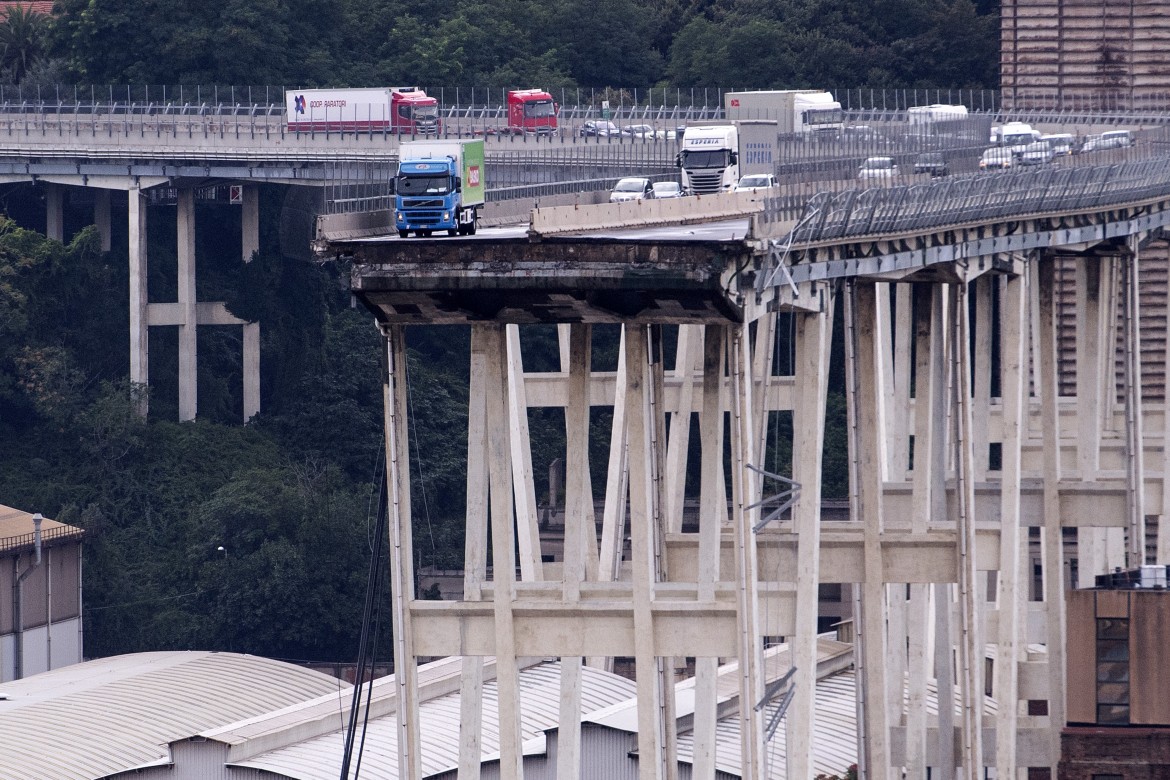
423, 184
426, 112
704, 158
538, 108
824, 116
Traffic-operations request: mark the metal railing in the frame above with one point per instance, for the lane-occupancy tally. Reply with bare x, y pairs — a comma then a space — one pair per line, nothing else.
975, 198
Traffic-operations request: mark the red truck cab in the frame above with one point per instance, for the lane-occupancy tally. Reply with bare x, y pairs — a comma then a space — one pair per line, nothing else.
531, 111
413, 111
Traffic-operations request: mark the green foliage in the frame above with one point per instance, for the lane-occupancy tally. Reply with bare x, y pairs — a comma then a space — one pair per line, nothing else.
746, 44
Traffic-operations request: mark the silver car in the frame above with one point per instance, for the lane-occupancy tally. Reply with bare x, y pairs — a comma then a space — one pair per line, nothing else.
631, 188
667, 189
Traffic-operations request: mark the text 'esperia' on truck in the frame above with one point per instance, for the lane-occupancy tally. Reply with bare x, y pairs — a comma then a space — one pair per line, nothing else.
440, 186
713, 157
402, 110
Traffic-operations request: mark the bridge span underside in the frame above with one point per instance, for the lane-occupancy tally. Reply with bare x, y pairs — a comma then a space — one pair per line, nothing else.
997, 429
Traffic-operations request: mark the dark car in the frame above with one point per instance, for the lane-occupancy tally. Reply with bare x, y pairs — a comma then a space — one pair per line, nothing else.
600, 128
933, 163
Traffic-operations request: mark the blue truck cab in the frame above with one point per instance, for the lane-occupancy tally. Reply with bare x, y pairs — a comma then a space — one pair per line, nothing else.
439, 187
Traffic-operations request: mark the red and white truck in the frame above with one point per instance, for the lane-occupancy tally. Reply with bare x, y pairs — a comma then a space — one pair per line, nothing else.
531, 111
405, 110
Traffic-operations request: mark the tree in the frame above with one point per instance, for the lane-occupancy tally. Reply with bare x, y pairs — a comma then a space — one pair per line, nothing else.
24, 37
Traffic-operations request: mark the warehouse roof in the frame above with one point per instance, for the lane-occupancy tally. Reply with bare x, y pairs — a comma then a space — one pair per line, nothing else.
17, 530
118, 714
320, 757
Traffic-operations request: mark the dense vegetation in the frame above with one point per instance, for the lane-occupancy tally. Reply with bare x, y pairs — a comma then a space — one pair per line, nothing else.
546, 43
256, 538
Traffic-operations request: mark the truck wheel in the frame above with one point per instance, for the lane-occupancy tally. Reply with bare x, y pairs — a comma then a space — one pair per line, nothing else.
403, 233
471, 229
453, 231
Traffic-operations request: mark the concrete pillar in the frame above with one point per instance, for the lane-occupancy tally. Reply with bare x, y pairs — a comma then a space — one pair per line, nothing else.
251, 370
640, 421
139, 329
394, 405
1134, 417
813, 340
527, 522
1052, 540
250, 222
188, 352
868, 332
971, 596
101, 216
1012, 602
579, 533
55, 211
475, 554
712, 508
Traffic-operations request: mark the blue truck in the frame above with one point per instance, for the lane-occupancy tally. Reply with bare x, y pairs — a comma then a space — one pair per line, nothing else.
440, 186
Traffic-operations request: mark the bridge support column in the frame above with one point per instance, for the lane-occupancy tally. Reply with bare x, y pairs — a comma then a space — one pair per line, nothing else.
1092, 361
55, 211
712, 514
1047, 385
394, 404
1012, 595
474, 555
971, 650
188, 328
865, 334
644, 503
139, 327
250, 222
101, 216
1134, 417
813, 341
928, 503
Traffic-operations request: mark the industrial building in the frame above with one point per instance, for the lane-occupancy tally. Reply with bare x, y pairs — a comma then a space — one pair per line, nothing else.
40, 594
1085, 55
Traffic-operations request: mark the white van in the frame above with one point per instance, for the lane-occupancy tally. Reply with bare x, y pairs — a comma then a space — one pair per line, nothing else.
1016, 136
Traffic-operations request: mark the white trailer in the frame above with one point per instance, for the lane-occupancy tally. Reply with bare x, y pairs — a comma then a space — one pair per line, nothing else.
795, 110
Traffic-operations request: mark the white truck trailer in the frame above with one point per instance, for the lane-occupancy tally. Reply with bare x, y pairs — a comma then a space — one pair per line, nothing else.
795, 110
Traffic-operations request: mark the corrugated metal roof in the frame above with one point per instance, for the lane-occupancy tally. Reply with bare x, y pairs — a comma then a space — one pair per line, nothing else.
540, 691
17, 528
110, 715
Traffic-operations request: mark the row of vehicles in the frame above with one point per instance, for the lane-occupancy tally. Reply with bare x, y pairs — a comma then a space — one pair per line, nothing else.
641, 188
405, 110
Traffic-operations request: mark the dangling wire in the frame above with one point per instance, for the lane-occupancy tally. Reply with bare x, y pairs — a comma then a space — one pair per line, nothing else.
373, 588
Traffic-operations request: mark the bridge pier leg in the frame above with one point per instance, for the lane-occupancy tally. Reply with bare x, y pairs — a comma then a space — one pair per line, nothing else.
188, 328
1012, 596
1134, 417
395, 403
712, 514
139, 327
865, 335
928, 502
101, 216
250, 222
55, 211
1052, 539
1091, 361
811, 369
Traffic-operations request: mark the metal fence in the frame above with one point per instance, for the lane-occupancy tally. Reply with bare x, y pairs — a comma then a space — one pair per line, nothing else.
975, 198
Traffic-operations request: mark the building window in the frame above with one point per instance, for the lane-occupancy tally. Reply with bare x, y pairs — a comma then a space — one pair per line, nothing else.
1113, 671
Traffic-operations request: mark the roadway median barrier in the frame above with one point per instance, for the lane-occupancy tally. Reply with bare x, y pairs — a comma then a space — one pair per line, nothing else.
551, 220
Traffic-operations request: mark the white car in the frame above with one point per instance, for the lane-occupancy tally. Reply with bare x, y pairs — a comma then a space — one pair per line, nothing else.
1038, 153
878, 168
638, 131
755, 181
997, 158
631, 188
1112, 139
667, 189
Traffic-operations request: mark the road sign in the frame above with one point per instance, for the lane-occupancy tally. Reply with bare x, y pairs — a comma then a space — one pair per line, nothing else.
236, 194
